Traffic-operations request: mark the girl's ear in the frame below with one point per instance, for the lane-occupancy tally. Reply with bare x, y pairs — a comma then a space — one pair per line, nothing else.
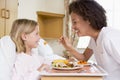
23, 36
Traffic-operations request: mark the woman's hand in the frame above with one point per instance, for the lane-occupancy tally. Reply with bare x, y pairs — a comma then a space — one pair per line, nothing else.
65, 42
45, 67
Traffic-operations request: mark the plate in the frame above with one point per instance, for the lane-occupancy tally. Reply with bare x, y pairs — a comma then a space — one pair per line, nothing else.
73, 68
88, 64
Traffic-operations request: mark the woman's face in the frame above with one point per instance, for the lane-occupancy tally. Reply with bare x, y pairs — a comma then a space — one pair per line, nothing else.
79, 25
32, 39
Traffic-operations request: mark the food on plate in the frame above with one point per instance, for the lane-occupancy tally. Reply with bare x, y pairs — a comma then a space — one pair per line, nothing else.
59, 63
60, 60
82, 62
64, 64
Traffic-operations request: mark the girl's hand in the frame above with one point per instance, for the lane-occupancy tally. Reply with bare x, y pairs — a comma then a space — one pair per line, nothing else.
65, 42
44, 67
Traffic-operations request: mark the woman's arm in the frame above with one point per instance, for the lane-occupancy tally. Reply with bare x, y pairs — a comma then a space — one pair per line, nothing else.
79, 56
85, 56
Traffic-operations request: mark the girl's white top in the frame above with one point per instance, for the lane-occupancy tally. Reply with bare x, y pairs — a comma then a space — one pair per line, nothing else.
25, 67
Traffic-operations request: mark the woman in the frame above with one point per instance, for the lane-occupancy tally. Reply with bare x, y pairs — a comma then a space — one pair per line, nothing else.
89, 19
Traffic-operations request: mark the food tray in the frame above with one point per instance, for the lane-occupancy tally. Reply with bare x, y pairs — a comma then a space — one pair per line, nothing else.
92, 70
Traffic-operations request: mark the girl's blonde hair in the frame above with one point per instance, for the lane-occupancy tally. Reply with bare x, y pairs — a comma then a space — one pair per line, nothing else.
21, 26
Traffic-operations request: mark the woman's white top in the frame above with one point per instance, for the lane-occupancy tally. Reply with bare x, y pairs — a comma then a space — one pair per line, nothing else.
107, 52
25, 67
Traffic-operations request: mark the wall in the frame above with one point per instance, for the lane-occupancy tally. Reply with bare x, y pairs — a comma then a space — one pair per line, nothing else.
56, 6
28, 8
112, 12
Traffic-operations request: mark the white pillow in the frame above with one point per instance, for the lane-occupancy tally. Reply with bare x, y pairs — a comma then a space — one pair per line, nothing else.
7, 57
46, 51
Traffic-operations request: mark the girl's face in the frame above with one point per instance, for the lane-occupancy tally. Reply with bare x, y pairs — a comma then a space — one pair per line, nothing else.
80, 26
32, 39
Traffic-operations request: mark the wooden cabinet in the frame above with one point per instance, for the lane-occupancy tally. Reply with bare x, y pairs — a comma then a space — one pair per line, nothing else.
8, 13
51, 24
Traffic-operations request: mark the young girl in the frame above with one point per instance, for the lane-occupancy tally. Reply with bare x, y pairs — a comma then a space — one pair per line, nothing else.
28, 65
